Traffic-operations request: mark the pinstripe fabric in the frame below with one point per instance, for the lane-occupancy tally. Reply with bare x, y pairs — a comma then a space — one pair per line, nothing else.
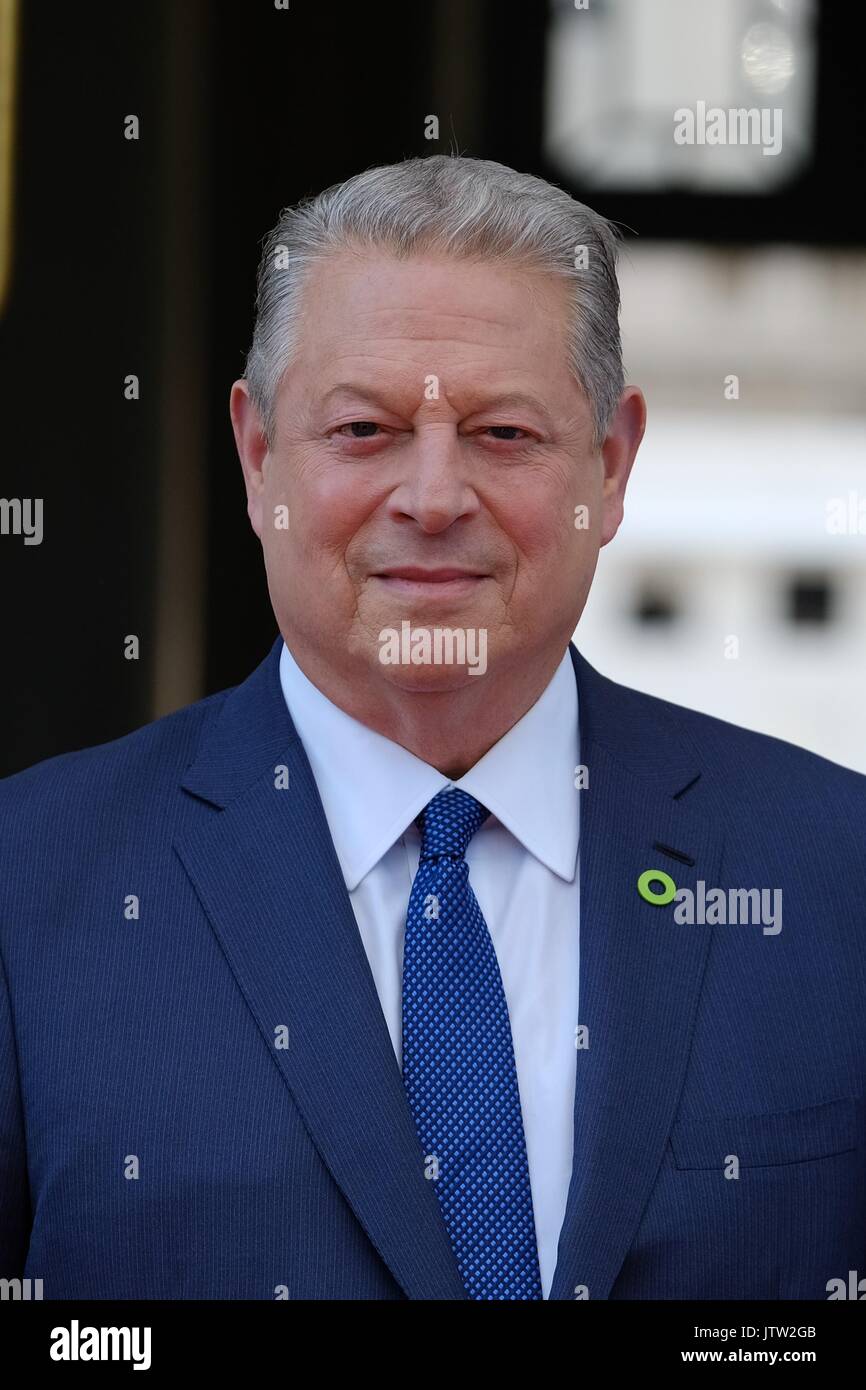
198, 1096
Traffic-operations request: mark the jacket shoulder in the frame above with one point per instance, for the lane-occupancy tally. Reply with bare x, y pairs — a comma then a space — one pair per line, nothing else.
738, 755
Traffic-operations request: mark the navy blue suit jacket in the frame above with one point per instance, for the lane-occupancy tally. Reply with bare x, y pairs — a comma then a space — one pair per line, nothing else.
202, 1101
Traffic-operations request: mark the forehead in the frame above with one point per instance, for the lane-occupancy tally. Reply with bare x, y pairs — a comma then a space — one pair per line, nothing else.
371, 316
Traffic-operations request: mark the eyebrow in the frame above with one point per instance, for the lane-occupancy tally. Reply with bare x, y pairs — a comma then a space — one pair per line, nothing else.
347, 388
509, 400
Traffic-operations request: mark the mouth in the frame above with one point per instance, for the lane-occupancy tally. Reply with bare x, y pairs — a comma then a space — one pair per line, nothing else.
412, 580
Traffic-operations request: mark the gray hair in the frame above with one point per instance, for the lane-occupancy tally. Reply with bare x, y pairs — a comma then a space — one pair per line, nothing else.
472, 209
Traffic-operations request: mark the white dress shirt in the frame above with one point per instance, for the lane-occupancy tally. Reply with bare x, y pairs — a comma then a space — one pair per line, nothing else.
522, 868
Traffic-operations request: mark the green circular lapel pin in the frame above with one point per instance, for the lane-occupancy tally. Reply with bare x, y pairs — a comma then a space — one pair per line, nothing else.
649, 876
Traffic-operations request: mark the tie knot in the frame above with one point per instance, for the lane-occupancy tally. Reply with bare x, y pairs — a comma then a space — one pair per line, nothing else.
448, 823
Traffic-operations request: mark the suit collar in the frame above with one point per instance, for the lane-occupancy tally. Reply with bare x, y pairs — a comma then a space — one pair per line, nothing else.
246, 731
249, 726
644, 736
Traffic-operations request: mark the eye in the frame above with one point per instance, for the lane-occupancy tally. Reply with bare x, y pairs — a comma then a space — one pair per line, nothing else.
361, 429
506, 433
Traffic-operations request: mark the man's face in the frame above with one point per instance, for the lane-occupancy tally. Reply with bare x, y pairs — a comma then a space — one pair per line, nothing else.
431, 447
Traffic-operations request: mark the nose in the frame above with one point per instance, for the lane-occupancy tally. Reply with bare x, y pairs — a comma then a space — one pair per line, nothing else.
435, 489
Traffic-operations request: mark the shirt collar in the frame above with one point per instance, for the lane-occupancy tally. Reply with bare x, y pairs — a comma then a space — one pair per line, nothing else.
372, 788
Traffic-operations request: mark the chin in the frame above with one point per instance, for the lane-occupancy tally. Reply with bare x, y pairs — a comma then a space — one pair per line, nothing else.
431, 656
429, 680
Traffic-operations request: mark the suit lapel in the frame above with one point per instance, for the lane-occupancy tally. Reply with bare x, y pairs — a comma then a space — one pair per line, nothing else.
264, 867
640, 972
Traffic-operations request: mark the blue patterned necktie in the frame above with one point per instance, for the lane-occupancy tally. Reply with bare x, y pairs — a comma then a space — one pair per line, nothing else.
458, 1063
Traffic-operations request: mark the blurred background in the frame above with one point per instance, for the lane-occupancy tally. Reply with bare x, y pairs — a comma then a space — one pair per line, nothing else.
146, 150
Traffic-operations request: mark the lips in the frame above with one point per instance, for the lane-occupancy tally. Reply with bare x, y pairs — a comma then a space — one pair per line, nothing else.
432, 576
414, 585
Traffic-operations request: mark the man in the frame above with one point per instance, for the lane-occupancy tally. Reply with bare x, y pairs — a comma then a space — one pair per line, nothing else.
308, 991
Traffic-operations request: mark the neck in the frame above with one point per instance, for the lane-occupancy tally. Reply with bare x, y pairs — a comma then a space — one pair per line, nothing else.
450, 730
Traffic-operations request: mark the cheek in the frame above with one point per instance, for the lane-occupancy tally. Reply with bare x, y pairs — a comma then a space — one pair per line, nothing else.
536, 508
327, 507
540, 528
555, 557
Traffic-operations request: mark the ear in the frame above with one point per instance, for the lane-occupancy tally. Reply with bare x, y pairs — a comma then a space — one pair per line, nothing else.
252, 447
618, 451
